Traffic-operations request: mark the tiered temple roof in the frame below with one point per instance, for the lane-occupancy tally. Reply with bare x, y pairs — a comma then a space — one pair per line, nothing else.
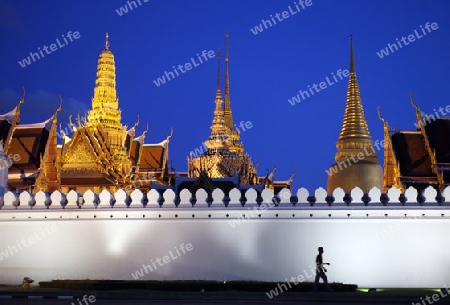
418, 158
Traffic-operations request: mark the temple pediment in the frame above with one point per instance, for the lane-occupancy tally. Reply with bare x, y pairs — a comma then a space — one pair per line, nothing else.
80, 152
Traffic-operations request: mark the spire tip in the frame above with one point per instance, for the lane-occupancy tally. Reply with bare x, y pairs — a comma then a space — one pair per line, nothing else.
352, 58
107, 42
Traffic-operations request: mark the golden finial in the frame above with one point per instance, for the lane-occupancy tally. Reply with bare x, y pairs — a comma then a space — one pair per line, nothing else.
352, 59
227, 104
137, 123
70, 121
412, 100
107, 42
218, 70
60, 103
23, 95
379, 115
57, 109
291, 178
227, 80
419, 114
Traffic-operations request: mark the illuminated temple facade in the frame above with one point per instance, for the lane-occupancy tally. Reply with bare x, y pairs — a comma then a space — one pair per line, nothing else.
101, 154
104, 154
412, 158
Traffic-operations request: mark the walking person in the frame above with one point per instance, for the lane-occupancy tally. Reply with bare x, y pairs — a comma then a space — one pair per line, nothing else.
320, 271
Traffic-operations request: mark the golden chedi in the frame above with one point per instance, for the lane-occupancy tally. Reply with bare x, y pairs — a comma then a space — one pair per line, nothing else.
356, 162
225, 155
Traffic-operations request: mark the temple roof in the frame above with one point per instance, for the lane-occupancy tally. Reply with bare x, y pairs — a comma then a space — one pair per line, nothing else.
8, 121
152, 158
438, 132
411, 153
29, 143
9, 116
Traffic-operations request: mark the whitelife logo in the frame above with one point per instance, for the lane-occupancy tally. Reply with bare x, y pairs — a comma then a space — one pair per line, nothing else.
294, 280
187, 66
161, 262
411, 38
49, 49
86, 300
49, 229
356, 158
202, 149
124, 9
303, 95
266, 24
427, 119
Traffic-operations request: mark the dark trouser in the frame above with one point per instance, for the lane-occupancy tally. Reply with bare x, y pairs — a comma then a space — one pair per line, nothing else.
324, 278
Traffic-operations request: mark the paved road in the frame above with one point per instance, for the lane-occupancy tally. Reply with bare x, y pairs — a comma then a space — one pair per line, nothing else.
106, 298
134, 302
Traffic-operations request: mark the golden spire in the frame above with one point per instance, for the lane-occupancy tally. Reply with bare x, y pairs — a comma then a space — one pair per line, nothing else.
218, 92
356, 160
222, 136
218, 129
105, 105
227, 106
224, 156
354, 129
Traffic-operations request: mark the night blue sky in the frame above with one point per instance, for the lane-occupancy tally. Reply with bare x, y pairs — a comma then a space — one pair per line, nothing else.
266, 69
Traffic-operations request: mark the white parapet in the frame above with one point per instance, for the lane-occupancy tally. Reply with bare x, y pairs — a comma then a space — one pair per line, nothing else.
137, 199
369, 243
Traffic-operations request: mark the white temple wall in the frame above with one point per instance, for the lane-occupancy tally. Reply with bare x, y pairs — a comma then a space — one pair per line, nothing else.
383, 249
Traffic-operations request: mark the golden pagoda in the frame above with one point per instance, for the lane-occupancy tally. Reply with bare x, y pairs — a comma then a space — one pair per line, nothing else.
97, 149
102, 154
225, 155
356, 162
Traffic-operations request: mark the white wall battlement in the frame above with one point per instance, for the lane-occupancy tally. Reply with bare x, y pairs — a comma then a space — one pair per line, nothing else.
373, 245
168, 199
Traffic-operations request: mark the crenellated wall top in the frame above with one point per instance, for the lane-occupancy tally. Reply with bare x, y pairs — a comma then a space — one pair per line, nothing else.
234, 199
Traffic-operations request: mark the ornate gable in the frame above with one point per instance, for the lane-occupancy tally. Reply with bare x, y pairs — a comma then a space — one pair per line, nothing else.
80, 151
